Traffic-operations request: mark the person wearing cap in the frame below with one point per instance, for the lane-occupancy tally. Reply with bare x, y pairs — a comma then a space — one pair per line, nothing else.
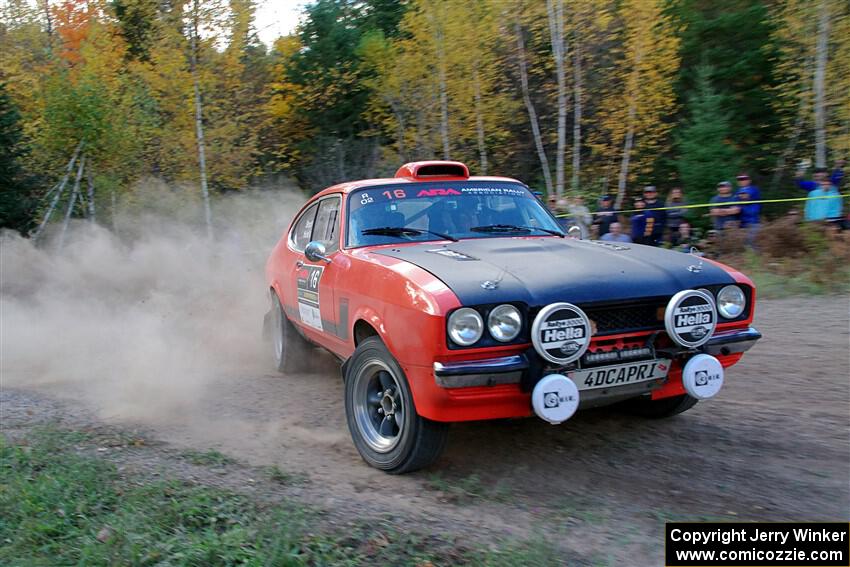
675, 214
749, 215
605, 215
753, 192
655, 219
725, 212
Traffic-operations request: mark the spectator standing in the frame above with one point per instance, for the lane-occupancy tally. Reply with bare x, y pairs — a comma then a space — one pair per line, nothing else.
749, 215
581, 215
616, 234
675, 215
819, 174
655, 219
559, 209
824, 209
605, 215
744, 182
686, 238
726, 212
638, 222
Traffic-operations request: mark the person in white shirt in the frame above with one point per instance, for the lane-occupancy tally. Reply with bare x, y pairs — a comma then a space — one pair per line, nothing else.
615, 234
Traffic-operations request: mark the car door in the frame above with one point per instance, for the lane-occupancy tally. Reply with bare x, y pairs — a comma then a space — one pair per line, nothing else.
312, 283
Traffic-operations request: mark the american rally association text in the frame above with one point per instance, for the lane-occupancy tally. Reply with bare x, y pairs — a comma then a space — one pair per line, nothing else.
756, 534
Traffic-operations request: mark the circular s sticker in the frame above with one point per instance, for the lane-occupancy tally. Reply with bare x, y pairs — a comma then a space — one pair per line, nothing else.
702, 376
690, 317
561, 333
555, 398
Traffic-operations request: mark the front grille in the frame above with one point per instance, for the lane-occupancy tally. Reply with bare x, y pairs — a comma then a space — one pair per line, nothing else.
624, 318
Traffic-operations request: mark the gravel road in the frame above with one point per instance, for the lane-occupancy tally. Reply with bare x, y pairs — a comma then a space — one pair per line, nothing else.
774, 445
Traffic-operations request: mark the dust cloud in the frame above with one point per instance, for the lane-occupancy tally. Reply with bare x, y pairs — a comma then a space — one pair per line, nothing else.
141, 319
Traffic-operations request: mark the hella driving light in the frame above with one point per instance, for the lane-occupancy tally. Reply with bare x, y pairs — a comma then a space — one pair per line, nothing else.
504, 323
731, 302
465, 326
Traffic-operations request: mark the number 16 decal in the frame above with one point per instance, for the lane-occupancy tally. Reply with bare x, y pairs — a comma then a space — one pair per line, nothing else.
308, 295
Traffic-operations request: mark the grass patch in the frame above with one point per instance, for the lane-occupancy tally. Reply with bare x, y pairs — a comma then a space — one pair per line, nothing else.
211, 458
61, 506
280, 476
468, 488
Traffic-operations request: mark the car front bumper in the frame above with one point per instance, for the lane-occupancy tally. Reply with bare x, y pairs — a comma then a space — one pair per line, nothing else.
510, 369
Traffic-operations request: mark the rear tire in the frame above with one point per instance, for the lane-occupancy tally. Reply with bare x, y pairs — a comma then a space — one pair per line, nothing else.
291, 351
384, 425
659, 409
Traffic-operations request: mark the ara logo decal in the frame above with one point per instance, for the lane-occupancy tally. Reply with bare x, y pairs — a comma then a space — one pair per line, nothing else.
438, 192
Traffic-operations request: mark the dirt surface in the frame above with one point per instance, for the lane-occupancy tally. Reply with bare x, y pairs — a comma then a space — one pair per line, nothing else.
774, 445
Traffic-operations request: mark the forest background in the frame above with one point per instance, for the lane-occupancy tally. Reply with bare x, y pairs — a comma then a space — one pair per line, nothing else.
579, 97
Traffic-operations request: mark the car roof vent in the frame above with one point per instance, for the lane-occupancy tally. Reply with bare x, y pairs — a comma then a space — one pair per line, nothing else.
431, 170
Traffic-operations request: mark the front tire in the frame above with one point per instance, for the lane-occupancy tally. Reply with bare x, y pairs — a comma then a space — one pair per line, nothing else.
290, 349
659, 409
384, 425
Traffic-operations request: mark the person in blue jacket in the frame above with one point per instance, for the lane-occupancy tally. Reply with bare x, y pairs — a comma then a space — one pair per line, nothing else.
638, 222
656, 220
744, 182
749, 216
824, 209
835, 178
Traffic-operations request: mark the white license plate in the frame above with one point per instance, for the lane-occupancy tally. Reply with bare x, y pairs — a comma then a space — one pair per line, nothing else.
620, 374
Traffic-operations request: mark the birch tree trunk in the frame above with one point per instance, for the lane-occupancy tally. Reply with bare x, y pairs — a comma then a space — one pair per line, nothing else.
48, 21
627, 155
820, 75
532, 114
71, 202
199, 125
90, 193
59, 190
479, 121
113, 215
577, 108
792, 143
444, 98
555, 11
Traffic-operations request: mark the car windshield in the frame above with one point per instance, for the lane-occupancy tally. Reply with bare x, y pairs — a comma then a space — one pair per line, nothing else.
389, 214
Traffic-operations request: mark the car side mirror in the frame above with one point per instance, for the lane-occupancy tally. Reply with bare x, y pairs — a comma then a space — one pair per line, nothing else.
574, 232
315, 251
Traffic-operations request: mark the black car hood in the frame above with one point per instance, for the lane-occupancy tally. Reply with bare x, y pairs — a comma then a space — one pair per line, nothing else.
539, 271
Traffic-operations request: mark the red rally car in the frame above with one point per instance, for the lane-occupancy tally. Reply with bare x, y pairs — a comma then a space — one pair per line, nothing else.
455, 298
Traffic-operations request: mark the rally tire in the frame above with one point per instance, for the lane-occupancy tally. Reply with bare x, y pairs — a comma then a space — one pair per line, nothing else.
396, 440
291, 351
659, 409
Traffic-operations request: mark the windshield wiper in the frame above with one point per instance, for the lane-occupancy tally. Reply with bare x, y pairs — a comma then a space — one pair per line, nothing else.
402, 231
514, 228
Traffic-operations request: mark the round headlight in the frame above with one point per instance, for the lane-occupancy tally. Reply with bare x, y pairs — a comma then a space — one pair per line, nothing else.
731, 302
504, 323
465, 326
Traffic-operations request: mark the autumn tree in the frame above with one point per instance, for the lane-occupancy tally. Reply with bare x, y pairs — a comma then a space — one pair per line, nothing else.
813, 97
640, 96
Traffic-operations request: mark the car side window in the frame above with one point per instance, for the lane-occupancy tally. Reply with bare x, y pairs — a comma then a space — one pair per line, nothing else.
303, 229
326, 228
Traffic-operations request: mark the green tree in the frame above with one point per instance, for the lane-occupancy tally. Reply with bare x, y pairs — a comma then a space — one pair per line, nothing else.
734, 37
16, 199
706, 156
